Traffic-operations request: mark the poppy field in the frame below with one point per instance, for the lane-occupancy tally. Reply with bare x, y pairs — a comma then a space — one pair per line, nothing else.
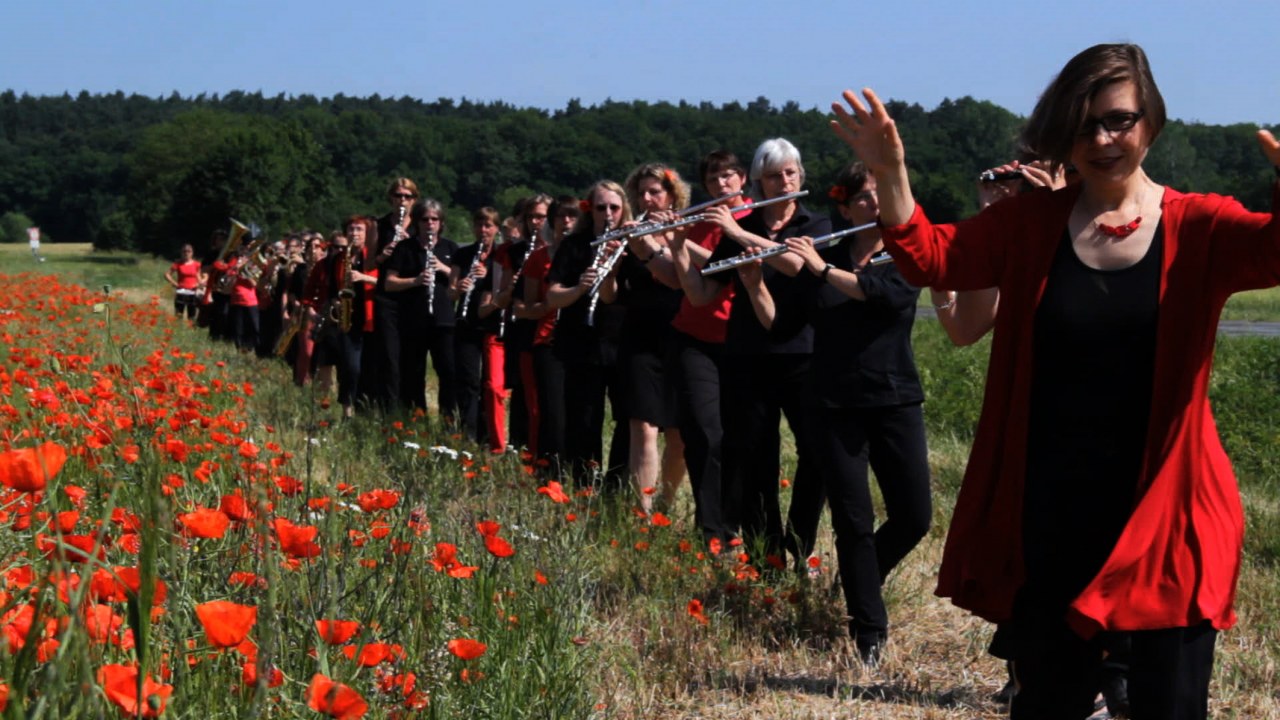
185, 534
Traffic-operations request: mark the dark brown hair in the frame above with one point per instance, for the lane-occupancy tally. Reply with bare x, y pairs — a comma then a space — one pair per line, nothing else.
718, 160
1060, 113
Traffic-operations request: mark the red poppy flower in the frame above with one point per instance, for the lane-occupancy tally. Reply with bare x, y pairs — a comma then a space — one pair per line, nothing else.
554, 492
466, 648
296, 540
695, 611
120, 683
249, 675
235, 508
226, 624
337, 632
101, 623
660, 520
498, 547
30, 469
335, 699
378, 500
373, 654
488, 527
204, 523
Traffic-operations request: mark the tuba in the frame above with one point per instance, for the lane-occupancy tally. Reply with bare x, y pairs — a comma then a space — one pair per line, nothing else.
227, 280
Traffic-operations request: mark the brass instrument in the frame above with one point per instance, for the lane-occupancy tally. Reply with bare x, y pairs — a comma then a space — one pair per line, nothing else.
818, 242
340, 307
238, 231
256, 259
286, 337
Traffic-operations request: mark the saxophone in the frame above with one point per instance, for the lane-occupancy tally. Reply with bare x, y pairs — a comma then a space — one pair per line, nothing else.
346, 293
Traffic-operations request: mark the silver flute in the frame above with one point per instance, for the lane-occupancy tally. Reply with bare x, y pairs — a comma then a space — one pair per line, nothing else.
650, 228
818, 242
702, 217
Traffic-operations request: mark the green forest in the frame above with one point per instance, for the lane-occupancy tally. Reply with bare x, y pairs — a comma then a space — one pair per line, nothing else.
148, 174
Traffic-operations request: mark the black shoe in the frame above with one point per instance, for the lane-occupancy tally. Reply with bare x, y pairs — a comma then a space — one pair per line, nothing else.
1115, 690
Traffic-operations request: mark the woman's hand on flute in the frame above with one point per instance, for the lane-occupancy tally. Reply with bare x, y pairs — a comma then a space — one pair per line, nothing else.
803, 248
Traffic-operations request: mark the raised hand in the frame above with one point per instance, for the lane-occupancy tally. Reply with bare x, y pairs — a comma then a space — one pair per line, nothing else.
869, 131
1270, 146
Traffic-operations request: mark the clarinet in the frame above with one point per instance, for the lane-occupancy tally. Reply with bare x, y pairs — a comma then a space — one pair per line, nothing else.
471, 275
604, 265
431, 277
533, 245
396, 236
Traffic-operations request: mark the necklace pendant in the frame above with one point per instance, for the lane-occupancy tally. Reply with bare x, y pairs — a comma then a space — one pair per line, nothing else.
1120, 231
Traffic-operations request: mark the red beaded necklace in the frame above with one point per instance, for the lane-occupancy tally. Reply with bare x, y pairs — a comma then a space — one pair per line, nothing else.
1120, 231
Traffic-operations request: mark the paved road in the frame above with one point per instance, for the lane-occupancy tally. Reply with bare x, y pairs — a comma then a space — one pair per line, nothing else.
1226, 327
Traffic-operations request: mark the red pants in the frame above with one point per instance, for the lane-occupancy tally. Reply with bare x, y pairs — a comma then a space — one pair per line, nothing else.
493, 393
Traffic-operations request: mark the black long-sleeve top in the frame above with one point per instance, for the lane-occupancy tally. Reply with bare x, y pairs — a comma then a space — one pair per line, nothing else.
574, 339
745, 335
862, 354
409, 260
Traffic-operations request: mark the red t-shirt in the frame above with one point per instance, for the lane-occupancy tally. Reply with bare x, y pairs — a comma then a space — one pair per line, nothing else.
536, 268
188, 274
709, 322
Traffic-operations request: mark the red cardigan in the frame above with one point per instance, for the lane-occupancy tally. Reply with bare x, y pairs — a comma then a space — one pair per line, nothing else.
1178, 559
315, 294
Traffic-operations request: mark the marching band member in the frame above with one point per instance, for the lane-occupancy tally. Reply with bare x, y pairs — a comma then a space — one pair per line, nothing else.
477, 349
765, 373
381, 373
548, 370
697, 352
516, 331
186, 278
213, 310
863, 399
419, 273
658, 192
586, 338
242, 307
1090, 498
340, 300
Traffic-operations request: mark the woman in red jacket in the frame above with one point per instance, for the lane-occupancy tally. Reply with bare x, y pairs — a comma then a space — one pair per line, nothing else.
1092, 503
339, 298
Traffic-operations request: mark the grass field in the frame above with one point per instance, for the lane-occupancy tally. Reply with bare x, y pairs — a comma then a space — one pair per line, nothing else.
585, 608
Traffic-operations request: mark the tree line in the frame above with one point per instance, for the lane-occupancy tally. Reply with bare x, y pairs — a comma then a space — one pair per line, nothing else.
148, 174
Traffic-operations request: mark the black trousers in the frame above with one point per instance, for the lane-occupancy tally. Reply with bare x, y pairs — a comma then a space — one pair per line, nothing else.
219, 317
586, 387
549, 372
243, 324
185, 304
519, 434
380, 364
343, 351
468, 356
758, 390
1059, 673
891, 442
415, 345
695, 367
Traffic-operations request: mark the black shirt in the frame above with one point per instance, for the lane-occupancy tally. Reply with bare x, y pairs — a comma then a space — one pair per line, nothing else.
650, 307
409, 260
469, 316
745, 335
862, 356
575, 341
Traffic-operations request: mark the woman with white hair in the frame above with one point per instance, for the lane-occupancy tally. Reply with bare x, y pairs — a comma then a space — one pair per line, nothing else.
764, 372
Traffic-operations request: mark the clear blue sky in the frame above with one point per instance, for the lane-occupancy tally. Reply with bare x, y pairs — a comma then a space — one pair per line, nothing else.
1215, 62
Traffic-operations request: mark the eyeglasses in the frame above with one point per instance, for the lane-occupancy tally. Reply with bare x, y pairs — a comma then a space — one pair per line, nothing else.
602, 207
1112, 123
403, 195
538, 217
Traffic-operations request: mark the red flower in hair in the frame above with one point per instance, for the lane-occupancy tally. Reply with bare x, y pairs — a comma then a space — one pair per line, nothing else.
670, 175
839, 193
584, 206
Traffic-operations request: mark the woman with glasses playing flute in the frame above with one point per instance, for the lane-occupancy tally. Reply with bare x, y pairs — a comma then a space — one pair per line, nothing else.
764, 373
1092, 503
586, 337
657, 192
863, 402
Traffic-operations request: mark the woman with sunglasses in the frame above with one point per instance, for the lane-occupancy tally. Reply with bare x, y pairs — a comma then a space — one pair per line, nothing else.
1098, 498
419, 274
380, 367
586, 338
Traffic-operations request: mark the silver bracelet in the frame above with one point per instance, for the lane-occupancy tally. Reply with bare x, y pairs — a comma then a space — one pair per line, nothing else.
951, 301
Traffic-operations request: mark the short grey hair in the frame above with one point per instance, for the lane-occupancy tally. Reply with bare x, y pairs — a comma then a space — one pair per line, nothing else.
772, 154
